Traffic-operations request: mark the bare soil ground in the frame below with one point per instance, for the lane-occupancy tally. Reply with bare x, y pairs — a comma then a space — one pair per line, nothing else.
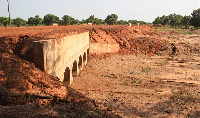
142, 80
141, 85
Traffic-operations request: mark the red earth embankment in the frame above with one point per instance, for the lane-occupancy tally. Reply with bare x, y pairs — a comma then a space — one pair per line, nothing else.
136, 39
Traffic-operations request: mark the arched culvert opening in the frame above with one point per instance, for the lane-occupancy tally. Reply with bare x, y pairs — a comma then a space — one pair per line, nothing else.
80, 62
67, 76
74, 69
84, 57
88, 51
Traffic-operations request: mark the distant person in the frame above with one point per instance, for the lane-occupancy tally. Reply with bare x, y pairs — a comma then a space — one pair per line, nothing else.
173, 49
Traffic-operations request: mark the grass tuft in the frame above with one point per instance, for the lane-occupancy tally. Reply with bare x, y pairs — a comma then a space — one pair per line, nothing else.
183, 97
146, 69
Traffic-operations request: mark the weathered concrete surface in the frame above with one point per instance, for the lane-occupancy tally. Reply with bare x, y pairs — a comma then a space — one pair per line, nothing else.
62, 57
103, 48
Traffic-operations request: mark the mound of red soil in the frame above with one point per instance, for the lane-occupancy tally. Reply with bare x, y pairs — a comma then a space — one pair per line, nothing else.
22, 83
136, 39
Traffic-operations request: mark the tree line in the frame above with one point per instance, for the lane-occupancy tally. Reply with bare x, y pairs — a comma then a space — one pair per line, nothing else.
49, 19
176, 20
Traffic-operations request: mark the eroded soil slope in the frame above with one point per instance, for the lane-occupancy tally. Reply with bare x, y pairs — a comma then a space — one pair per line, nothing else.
132, 40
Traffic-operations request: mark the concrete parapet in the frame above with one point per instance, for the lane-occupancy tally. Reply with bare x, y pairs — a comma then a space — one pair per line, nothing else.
58, 57
103, 48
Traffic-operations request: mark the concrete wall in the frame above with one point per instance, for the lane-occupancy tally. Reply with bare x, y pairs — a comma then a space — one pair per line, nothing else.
103, 48
64, 57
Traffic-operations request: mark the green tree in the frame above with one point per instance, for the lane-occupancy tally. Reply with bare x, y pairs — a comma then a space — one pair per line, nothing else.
195, 19
19, 22
161, 20
164, 20
83, 21
35, 21
38, 20
101, 21
61, 22
31, 21
186, 21
75, 21
172, 19
1, 21
122, 22
97, 21
4, 21
178, 20
49, 19
111, 19
157, 20
66, 20
93, 20
133, 21
142, 22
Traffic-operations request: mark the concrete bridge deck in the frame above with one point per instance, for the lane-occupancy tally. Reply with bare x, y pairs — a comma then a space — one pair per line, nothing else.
64, 57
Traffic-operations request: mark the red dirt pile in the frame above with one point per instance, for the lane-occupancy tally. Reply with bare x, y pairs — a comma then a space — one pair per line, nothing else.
22, 83
136, 39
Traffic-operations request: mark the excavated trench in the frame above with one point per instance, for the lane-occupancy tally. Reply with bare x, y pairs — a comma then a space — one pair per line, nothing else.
122, 39
23, 83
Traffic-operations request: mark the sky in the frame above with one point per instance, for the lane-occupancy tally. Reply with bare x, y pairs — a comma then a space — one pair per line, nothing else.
143, 10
